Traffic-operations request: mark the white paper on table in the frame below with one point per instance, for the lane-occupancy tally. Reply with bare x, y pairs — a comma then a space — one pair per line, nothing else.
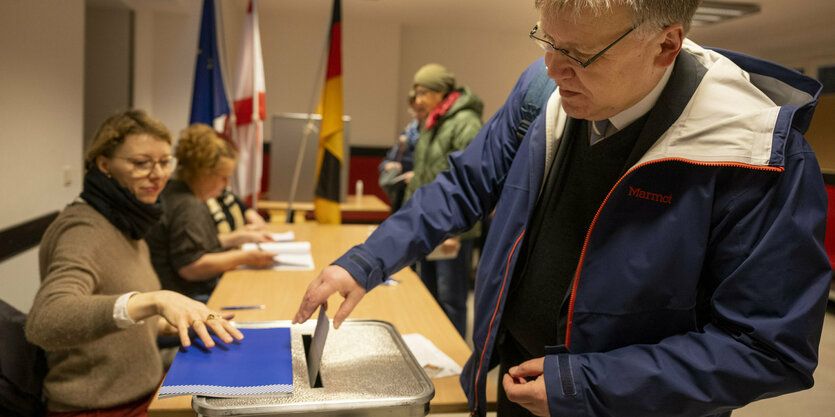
279, 247
434, 362
293, 262
284, 237
289, 256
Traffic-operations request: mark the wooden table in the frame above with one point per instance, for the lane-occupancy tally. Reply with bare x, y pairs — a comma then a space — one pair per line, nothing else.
408, 305
365, 204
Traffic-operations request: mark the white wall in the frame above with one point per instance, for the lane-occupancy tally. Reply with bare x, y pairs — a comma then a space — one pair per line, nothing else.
379, 58
41, 102
174, 40
293, 45
489, 62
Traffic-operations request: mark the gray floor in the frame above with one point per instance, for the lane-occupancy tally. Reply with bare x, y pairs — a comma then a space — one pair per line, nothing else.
819, 401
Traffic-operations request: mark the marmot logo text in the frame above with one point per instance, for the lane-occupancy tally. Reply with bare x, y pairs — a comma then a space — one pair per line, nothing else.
639, 193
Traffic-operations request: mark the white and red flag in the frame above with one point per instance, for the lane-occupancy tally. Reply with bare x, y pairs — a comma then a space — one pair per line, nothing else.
250, 112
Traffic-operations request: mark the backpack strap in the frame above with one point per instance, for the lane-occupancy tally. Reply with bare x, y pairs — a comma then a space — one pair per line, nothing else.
537, 94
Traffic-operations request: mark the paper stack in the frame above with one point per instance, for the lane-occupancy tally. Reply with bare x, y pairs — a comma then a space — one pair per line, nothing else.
289, 256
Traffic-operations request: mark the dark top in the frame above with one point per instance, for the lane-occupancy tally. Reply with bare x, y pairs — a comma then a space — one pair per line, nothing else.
184, 234
574, 191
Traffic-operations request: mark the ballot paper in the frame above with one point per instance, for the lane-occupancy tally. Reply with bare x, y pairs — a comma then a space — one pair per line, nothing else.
284, 237
289, 256
401, 177
434, 362
317, 345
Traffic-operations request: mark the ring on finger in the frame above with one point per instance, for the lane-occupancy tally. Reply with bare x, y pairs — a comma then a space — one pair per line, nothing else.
212, 316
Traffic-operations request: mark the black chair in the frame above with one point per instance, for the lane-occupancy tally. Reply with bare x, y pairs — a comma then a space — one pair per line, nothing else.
22, 367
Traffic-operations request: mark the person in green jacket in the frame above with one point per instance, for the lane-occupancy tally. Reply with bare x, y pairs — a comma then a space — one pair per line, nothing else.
454, 119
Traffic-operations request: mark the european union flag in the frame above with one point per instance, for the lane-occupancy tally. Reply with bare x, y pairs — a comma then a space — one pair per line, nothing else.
208, 101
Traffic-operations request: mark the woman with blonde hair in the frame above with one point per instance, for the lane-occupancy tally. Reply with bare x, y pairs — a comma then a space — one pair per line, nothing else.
99, 307
186, 250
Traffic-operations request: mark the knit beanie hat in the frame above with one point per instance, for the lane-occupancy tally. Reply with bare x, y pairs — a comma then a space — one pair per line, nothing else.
436, 78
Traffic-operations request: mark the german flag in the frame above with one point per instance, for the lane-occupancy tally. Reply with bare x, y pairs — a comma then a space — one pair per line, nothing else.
330, 157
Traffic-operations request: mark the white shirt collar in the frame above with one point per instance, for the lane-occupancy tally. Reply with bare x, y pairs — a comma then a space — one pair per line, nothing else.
624, 118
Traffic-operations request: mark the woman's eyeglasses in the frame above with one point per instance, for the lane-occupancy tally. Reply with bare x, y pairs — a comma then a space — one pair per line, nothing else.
143, 167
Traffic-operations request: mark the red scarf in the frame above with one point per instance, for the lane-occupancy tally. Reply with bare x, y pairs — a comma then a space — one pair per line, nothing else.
441, 109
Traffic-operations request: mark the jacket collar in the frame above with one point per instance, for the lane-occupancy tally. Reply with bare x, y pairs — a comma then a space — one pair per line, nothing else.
714, 110
441, 109
683, 80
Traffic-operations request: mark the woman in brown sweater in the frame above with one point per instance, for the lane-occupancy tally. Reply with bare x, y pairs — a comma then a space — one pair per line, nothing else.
99, 307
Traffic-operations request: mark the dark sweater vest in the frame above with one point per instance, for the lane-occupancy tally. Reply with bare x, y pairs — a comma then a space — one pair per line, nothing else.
576, 187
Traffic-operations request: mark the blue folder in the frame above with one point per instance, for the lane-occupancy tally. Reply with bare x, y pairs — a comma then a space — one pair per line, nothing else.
261, 363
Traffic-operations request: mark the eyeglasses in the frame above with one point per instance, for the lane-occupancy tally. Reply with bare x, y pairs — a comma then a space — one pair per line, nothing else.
420, 91
144, 167
549, 46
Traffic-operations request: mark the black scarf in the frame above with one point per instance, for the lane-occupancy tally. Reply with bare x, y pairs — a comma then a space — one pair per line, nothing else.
118, 204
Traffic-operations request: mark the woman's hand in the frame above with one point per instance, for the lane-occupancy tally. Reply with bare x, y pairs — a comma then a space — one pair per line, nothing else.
253, 220
239, 237
259, 258
165, 329
181, 313
255, 227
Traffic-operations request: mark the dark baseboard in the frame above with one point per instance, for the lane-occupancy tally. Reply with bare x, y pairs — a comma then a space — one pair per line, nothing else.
368, 151
22, 237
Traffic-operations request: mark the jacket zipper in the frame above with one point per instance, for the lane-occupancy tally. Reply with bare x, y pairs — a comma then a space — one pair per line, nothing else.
493, 318
572, 299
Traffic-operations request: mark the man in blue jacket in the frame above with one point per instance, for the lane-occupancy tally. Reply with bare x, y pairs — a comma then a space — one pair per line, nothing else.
661, 245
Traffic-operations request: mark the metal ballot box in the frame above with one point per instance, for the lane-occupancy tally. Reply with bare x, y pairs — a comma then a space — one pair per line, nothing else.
366, 370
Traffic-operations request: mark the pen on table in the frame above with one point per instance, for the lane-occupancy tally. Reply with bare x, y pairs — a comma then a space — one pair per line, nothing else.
252, 307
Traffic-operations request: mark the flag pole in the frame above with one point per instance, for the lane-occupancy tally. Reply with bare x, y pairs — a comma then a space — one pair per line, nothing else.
309, 127
256, 102
224, 64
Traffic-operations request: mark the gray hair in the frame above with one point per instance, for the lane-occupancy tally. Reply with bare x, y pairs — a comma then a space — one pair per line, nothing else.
659, 13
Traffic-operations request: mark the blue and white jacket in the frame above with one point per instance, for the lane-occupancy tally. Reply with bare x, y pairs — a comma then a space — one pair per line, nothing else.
703, 278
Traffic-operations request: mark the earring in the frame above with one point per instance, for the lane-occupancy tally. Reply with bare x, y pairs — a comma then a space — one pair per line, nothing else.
108, 175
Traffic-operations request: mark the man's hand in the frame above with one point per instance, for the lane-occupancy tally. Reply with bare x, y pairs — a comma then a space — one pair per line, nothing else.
393, 165
528, 394
332, 279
